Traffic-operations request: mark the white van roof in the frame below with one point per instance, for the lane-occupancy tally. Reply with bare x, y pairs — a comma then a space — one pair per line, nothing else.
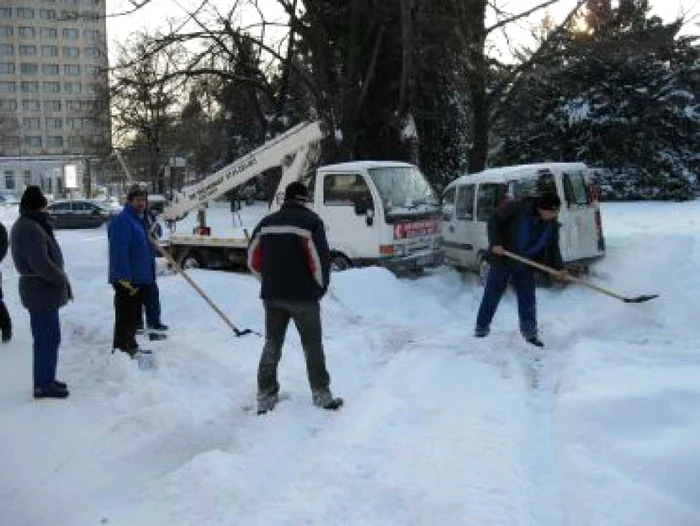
509, 173
363, 165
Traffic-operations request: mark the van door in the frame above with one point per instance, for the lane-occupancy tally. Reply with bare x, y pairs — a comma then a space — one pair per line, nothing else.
578, 219
465, 226
449, 242
349, 211
488, 198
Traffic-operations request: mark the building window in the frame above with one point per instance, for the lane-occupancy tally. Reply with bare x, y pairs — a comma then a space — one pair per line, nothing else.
8, 105
90, 16
54, 123
5, 12
49, 69
74, 123
7, 87
90, 35
69, 15
54, 142
91, 52
72, 87
75, 141
27, 32
7, 67
91, 71
31, 123
30, 105
52, 105
29, 87
71, 70
71, 52
6, 31
70, 34
7, 50
9, 177
48, 33
27, 51
49, 51
33, 141
52, 87
27, 177
47, 14
25, 12
29, 68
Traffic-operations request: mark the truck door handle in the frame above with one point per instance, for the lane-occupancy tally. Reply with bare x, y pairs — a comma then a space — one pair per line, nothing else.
451, 228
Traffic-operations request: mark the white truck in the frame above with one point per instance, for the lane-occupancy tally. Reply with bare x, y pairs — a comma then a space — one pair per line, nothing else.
375, 212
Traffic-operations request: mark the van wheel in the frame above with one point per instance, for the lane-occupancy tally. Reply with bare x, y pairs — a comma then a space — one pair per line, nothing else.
484, 267
340, 262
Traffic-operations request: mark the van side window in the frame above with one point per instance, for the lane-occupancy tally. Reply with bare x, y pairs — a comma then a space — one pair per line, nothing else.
448, 204
465, 202
489, 198
532, 186
575, 190
345, 189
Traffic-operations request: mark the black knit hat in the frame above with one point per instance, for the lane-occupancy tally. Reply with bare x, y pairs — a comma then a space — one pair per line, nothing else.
32, 199
135, 190
548, 201
296, 191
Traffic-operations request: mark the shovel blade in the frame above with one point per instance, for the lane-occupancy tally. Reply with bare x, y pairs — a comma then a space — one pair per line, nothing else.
642, 298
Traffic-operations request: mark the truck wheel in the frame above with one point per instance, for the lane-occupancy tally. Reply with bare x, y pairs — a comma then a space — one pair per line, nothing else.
484, 267
191, 260
340, 262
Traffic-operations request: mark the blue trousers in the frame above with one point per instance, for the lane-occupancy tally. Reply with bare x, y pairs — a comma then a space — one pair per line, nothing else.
523, 280
151, 303
46, 331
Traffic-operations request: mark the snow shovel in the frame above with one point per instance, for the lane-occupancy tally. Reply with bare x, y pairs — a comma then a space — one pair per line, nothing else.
572, 279
180, 270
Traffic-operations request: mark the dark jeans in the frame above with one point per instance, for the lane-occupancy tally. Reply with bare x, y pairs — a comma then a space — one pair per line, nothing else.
5, 320
127, 307
307, 318
151, 304
523, 280
46, 331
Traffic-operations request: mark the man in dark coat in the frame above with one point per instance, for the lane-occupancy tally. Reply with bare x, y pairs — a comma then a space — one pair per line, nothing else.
43, 288
131, 266
5, 320
528, 228
290, 254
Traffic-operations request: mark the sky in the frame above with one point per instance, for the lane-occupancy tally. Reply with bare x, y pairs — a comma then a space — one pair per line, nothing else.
157, 11
600, 428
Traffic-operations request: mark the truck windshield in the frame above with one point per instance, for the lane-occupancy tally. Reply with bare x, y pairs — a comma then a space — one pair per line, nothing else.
403, 189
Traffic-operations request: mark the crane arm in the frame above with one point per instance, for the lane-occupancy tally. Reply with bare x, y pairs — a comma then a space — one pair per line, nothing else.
276, 152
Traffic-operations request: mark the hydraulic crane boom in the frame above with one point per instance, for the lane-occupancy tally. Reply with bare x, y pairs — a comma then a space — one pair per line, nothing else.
277, 152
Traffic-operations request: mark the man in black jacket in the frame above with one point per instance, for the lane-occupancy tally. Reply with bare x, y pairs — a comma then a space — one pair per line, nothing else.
530, 229
290, 254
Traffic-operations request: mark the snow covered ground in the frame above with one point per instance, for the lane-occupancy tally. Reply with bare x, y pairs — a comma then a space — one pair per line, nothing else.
600, 428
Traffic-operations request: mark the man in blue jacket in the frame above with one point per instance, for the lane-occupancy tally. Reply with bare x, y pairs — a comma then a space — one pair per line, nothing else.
528, 228
131, 267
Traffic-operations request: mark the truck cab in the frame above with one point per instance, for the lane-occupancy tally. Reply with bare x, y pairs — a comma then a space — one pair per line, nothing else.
378, 212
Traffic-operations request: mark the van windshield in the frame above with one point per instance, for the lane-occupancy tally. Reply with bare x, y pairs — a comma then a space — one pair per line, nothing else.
403, 189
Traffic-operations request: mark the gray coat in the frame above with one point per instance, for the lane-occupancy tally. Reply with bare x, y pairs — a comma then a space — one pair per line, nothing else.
43, 285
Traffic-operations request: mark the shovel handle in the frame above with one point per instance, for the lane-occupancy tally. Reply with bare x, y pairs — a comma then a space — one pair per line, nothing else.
553, 272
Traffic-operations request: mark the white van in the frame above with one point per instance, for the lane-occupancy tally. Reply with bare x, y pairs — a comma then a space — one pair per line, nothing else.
378, 212
469, 202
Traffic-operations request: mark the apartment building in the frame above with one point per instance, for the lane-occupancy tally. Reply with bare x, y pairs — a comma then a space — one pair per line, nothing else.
53, 75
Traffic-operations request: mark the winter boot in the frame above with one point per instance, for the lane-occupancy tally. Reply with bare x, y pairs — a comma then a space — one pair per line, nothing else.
480, 333
325, 400
534, 340
60, 385
267, 403
158, 327
156, 336
50, 391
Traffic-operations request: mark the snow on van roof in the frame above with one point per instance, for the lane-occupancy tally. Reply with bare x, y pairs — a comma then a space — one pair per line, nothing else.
515, 172
363, 165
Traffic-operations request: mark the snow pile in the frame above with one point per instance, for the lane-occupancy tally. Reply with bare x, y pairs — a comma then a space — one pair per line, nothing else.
600, 428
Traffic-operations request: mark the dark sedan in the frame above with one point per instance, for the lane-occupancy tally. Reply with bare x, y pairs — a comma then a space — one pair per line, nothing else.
78, 214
